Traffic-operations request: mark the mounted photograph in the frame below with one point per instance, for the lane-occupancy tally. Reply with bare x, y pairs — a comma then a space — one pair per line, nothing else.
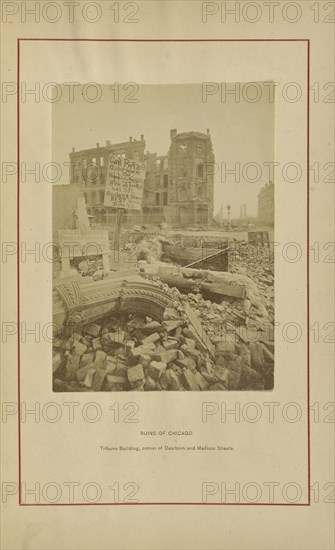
163, 218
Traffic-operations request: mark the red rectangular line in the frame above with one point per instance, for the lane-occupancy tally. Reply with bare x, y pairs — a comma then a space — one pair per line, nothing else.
308, 271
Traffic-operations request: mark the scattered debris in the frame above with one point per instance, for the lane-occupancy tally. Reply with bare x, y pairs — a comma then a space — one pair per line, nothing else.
216, 335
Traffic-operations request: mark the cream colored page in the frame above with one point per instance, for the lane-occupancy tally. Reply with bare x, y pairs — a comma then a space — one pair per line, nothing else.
223, 462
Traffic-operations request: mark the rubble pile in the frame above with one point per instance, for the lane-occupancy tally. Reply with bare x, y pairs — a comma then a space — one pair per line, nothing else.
221, 297
217, 334
135, 353
142, 245
149, 249
234, 328
251, 267
257, 262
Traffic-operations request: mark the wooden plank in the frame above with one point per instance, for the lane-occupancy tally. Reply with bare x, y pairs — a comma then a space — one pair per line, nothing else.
207, 257
199, 330
118, 223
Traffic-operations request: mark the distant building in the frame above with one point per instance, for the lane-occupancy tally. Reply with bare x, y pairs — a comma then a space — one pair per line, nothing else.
266, 204
178, 187
243, 212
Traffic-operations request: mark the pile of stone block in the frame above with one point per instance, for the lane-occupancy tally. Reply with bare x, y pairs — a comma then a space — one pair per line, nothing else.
200, 345
137, 353
257, 262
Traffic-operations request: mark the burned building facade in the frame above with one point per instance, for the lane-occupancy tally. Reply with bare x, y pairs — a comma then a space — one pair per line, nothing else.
191, 179
178, 187
88, 168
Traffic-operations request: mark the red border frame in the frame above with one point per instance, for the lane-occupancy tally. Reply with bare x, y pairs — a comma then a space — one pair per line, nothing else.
307, 41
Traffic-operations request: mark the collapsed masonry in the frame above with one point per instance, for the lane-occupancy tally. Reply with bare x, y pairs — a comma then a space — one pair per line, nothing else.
213, 331
138, 353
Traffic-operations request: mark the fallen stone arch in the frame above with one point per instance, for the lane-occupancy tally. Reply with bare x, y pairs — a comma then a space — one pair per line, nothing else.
78, 302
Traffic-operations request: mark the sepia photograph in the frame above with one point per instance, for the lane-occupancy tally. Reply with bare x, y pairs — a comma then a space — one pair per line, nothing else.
163, 233
167, 185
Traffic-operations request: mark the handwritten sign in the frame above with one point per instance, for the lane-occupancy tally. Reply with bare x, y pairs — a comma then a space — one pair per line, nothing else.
124, 183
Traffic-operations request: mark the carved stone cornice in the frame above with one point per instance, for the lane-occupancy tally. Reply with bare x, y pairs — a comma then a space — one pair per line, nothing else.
71, 294
89, 300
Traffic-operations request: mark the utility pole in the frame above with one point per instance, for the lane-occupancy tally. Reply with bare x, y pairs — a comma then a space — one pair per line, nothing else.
228, 216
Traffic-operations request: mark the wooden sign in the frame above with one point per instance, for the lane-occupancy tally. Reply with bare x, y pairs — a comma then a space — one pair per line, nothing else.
124, 183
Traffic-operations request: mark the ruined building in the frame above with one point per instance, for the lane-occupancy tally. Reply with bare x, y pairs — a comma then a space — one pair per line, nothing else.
266, 204
178, 187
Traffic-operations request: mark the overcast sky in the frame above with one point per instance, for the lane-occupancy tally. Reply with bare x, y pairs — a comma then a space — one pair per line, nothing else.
241, 132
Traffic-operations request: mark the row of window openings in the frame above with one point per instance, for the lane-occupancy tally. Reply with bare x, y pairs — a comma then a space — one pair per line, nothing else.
90, 180
200, 171
165, 181
182, 171
100, 161
164, 199
98, 198
94, 198
162, 163
94, 162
